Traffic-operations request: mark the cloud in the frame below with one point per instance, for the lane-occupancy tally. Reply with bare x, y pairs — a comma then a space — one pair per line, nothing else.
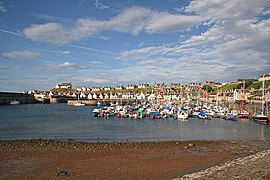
133, 20
10, 32
63, 68
2, 7
66, 52
53, 33
164, 22
97, 62
25, 54
101, 6
236, 40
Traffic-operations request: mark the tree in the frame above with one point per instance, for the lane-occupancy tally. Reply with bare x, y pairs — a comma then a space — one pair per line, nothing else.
207, 88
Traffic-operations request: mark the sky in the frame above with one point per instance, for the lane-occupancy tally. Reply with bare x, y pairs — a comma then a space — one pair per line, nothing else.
108, 43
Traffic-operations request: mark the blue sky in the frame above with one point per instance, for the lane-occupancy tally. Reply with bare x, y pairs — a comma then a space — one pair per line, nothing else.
102, 42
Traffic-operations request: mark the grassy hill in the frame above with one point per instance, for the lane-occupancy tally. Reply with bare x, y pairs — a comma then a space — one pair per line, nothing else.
248, 85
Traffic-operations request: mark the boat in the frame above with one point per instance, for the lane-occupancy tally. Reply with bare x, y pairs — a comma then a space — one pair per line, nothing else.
243, 114
231, 116
202, 115
79, 103
153, 115
181, 115
96, 112
100, 104
260, 116
14, 102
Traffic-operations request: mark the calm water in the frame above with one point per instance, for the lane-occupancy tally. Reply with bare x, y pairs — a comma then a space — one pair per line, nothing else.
60, 121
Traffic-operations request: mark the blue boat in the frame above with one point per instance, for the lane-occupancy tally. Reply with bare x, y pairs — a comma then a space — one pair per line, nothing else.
101, 104
153, 115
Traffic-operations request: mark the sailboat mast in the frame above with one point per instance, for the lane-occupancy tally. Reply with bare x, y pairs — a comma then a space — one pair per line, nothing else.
263, 101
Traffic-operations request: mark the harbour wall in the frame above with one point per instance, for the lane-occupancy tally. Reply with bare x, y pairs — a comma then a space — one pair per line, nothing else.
7, 97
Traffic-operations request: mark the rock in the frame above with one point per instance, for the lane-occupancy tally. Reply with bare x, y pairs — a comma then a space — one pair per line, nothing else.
63, 173
191, 145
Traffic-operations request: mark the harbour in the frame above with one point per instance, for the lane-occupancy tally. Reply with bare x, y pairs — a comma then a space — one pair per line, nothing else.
60, 122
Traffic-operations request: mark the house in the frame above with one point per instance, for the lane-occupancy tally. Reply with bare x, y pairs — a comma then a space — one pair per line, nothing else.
159, 85
145, 85
107, 88
96, 89
265, 77
118, 87
195, 84
64, 86
131, 86
212, 83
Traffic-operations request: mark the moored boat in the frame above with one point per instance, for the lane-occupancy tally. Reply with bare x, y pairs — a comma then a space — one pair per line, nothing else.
14, 102
79, 103
243, 114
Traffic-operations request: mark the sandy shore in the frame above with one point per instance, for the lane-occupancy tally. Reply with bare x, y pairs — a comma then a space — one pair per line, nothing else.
49, 159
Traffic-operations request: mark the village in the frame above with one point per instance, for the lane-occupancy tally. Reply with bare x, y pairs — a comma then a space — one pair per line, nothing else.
247, 90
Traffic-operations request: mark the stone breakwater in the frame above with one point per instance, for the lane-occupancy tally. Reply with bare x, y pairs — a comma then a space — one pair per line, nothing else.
255, 166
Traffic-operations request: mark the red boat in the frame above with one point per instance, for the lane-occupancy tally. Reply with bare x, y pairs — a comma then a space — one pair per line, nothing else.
243, 114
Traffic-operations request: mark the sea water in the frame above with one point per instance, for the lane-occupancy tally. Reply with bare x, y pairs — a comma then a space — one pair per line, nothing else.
60, 121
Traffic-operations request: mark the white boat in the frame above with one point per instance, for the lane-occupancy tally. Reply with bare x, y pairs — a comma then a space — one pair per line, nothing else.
182, 116
79, 103
14, 102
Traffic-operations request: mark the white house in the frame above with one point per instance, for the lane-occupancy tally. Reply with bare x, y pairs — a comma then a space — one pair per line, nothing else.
140, 86
107, 88
131, 86
265, 77
95, 96
96, 89
100, 96
89, 96
64, 86
119, 87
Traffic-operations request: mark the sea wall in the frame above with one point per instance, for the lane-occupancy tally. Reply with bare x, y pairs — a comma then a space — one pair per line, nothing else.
7, 97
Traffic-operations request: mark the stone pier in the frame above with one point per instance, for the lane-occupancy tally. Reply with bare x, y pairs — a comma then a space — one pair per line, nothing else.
7, 97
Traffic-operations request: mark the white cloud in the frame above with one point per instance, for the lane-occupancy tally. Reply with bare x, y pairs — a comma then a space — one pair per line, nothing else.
25, 54
66, 52
2, 7
10, 32
97, 62
227, 9
133, 20
51, 33
63, 68
101, 6
163, 22
236, 44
